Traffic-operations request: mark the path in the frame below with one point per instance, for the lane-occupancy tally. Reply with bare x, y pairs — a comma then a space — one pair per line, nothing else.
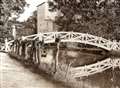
14, 75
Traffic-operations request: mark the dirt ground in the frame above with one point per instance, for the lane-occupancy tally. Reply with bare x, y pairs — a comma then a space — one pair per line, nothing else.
14, 75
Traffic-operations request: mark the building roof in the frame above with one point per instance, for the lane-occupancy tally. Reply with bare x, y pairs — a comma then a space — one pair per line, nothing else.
41, 4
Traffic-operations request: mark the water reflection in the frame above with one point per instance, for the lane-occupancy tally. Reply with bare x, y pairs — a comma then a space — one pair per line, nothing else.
106, 79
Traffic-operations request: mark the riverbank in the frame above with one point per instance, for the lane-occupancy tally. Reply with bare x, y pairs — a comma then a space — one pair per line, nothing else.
14, 74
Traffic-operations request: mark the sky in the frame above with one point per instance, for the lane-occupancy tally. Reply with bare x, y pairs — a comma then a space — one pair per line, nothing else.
29, 10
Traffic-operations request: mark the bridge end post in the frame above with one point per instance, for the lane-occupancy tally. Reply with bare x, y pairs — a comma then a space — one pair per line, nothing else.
6, 45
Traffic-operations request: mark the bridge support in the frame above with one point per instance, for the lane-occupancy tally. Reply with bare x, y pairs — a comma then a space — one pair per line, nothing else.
57, 40
38, 52
34, 52
57, 55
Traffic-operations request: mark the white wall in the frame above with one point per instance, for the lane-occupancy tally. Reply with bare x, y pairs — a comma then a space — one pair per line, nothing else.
45, 18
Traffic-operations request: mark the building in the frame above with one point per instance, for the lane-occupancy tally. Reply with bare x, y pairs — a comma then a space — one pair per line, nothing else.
45, 18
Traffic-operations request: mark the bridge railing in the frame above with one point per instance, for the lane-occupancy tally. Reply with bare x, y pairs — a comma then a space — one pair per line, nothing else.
76, 37
95, 68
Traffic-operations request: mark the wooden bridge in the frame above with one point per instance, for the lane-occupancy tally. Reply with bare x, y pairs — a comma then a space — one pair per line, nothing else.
20, 47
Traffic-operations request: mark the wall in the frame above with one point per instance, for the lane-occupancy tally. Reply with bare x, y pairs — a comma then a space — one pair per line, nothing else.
45, 18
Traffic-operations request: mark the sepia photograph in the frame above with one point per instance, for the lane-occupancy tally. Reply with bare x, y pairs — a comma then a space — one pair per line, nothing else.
59, 43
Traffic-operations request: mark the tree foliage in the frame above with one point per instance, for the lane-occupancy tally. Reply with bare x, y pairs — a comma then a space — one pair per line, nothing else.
98, 17
32, 22
7, 9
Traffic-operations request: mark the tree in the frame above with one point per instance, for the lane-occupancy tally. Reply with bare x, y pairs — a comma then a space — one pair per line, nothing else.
32, 22
7, 9
98, 17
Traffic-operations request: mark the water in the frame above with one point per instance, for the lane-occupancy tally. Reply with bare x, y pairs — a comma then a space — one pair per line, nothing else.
107, 79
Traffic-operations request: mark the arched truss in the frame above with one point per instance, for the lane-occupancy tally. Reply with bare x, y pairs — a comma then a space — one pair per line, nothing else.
95, 68
87, 70
76, 37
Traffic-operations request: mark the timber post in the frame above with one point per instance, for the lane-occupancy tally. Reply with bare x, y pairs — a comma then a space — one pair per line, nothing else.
57, 40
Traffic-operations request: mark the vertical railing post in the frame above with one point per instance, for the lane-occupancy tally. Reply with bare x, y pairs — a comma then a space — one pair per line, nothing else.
29, 53
18, 47
20, 50
14, 46
11, 47
14, 32
40, 50
33, 52
26, 52
37, 52
6, 45
31, 58
23, 48
41, 43
57, 54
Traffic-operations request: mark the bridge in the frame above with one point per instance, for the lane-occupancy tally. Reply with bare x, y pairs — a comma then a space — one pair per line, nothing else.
20, 47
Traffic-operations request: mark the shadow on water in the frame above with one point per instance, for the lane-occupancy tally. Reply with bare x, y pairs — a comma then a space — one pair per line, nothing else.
106, 79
